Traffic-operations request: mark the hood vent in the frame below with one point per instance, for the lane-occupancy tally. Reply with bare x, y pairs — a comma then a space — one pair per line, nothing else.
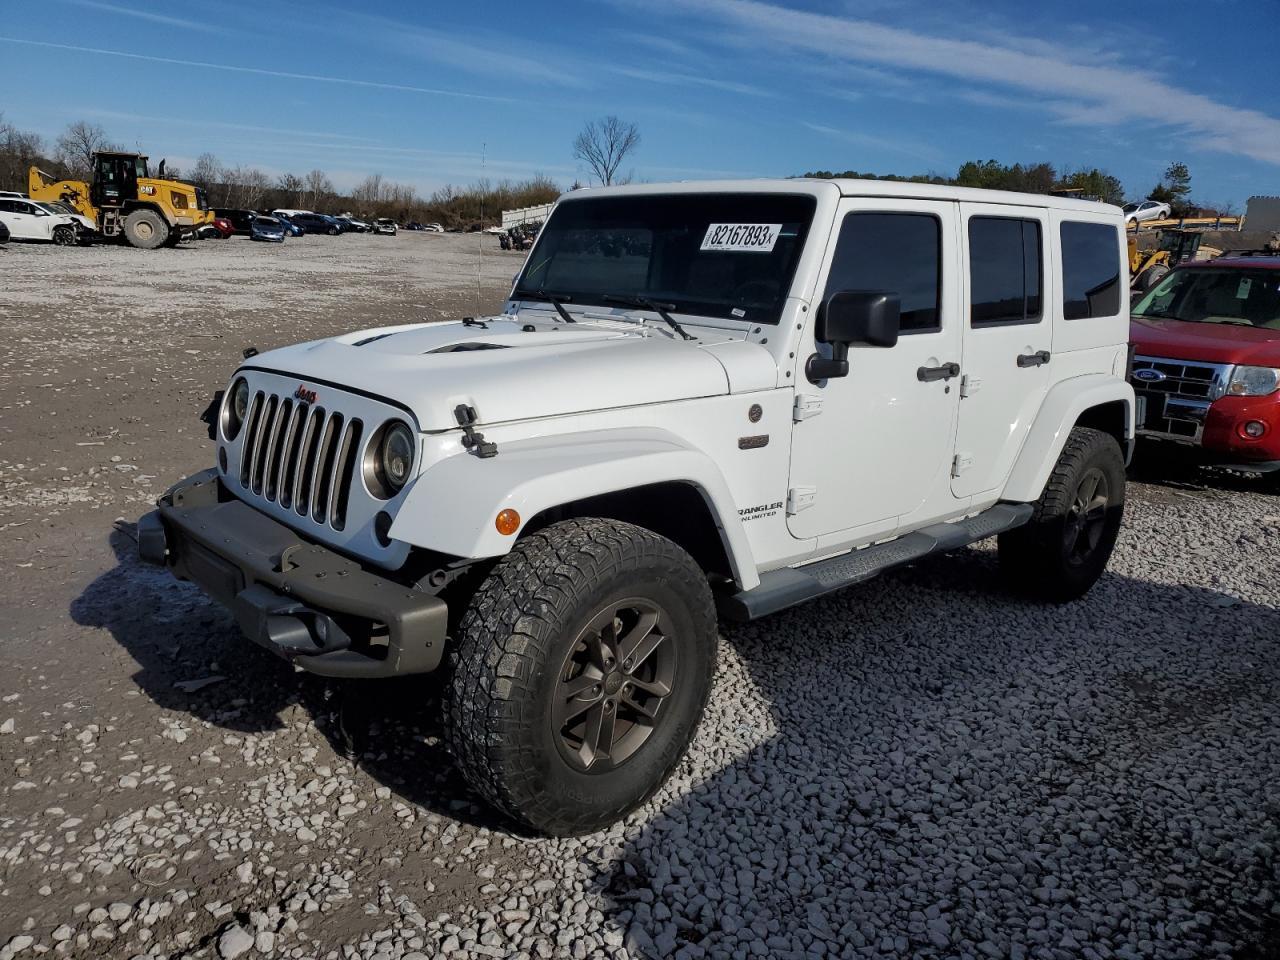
468, 347
367, 340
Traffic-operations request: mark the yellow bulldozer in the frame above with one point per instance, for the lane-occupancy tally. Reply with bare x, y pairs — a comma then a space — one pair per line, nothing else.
124, 200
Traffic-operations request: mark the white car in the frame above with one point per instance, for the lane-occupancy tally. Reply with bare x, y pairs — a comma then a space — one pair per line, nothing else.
736, 396
1146, 210
384, 225
85, 225
28, 220
433, 228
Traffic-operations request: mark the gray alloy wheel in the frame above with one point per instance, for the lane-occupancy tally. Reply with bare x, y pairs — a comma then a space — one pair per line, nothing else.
613, 684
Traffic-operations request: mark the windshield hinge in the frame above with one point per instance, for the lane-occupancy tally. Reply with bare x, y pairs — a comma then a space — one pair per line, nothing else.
473, 441
806, 406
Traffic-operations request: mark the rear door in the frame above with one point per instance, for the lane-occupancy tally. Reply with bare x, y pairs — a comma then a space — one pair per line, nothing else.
1008, 340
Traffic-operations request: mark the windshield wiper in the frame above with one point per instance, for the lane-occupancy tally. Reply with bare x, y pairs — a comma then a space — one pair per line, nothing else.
557, 300
644, 303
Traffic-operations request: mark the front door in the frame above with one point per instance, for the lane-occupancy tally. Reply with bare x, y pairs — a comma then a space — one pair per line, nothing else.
1007, 341
879, 448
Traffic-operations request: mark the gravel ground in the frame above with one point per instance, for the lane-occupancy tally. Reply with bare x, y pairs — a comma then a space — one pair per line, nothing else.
924, 766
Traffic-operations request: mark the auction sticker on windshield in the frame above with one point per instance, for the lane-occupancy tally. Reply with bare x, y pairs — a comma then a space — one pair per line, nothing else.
742, 237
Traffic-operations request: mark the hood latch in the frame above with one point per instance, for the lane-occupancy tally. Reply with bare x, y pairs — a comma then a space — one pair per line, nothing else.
465, 414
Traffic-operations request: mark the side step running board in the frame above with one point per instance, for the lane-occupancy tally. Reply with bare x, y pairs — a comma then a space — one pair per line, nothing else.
784, 588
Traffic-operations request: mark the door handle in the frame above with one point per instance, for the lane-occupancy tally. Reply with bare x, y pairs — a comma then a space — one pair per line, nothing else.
1037, 359
944, 372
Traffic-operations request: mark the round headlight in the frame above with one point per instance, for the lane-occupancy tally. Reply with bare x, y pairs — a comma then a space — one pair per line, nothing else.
235, 409
395, 456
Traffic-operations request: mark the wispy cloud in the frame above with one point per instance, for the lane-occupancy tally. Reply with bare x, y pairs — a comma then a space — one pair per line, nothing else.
674, 79
482, 53
1077, 88
161, 18
920, 151
261, 71
203, 123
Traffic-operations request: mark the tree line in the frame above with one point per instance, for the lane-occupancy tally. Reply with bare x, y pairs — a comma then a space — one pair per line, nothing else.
1173, 188
70, 157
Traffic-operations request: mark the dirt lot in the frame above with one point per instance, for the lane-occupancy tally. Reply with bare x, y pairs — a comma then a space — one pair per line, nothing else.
924, 767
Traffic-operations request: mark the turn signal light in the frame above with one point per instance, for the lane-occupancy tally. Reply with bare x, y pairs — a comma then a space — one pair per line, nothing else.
507, 521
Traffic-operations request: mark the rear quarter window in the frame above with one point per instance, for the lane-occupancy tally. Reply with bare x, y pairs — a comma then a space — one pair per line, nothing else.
1090, 270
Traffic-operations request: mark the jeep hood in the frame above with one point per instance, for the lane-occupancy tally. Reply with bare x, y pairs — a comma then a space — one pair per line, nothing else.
1206, 342
509, 368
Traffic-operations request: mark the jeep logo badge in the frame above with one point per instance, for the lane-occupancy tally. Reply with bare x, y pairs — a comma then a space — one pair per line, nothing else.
304, 395
1149, 376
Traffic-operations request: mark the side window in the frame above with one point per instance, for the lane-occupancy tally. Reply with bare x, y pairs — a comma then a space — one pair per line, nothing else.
6, 206
1090, 270
897, 252
1005, 272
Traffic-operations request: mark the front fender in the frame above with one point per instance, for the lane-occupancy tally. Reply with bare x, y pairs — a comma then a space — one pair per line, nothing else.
452, 505
1062, 407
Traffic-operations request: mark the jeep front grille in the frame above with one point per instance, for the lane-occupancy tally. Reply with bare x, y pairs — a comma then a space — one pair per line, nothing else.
1177, 395
299, 456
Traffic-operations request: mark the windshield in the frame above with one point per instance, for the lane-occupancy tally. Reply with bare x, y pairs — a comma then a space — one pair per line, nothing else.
54, 207
730, 256
1129, 207
1243, 297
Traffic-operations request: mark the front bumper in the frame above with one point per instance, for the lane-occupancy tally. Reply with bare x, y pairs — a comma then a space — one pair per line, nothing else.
304, 602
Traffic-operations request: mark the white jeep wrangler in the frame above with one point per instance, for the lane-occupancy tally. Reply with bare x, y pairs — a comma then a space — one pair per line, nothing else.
721, 396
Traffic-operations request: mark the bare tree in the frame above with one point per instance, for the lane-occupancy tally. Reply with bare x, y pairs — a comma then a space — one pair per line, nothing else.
245, 186
19, 150
369, 192
604, 144
77, 145
318, 188
291, 185
207, 171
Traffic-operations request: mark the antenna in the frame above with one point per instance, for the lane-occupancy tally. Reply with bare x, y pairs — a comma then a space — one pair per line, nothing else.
480, 250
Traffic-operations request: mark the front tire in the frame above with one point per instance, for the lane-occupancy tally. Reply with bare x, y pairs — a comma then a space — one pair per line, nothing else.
1062, 551
64, 236
580, 672
145, 229
1149, 277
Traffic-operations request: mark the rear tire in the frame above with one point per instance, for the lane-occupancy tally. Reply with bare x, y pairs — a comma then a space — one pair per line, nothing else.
580, 672
145, 229
1064, 548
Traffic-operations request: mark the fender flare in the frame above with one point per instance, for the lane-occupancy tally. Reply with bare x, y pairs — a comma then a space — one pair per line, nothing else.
453, 503
1062, 408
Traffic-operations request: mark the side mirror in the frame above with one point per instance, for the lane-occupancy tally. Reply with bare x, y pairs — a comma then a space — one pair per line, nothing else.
869, 317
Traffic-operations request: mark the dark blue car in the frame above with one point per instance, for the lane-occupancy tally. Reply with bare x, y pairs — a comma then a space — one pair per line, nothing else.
317, 223
293, 229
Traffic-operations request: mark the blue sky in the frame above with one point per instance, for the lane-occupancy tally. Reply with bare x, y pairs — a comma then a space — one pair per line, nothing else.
718, 87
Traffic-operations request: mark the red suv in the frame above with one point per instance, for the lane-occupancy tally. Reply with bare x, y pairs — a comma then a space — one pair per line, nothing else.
1206, 365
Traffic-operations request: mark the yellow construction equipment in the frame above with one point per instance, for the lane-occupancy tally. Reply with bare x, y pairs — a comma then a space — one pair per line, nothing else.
125, 200
1147, 267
